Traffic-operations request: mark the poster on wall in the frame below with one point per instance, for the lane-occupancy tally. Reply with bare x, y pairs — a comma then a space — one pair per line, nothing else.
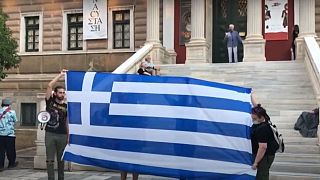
185, 21
276, 19
95, 19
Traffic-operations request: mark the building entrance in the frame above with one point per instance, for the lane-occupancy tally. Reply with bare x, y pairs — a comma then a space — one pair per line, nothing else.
227, 12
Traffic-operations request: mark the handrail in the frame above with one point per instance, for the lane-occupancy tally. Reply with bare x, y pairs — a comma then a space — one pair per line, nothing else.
129, 66
312, 60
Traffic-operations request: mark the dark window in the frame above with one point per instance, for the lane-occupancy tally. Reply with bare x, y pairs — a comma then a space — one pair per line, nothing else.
28, 114
75, 31
32, 33
121, 29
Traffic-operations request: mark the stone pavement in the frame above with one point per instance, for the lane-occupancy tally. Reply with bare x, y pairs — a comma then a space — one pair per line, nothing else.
25, 171
31, 174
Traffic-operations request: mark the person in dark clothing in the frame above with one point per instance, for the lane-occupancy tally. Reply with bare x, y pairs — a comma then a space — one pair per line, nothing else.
57, 128
261, 140
295, 34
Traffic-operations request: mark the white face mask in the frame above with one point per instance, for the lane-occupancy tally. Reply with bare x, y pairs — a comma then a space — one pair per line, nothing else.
255, 122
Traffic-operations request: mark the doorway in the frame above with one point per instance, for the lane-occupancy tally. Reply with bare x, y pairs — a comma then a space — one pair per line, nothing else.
227, 12
280, 49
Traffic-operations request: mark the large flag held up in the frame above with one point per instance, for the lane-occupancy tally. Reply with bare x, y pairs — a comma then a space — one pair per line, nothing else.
168, 126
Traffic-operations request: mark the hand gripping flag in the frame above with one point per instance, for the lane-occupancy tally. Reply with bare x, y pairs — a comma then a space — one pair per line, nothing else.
167, 126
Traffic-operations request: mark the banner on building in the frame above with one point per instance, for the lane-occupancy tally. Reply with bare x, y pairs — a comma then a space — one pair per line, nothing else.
276, 19
185, 21
95, 19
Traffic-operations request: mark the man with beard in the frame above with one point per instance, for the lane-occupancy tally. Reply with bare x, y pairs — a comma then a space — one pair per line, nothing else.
57, 131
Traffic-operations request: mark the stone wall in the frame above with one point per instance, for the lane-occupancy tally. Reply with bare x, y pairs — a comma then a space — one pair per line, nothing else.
38, 68
53, 19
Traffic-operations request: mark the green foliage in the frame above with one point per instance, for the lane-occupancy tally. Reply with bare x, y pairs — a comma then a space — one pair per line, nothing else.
8, 47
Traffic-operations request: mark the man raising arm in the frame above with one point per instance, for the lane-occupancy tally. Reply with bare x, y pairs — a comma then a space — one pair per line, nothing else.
56, 136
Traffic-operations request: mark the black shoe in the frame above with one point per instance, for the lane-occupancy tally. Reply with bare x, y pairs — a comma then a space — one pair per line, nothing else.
1, 169
14, 165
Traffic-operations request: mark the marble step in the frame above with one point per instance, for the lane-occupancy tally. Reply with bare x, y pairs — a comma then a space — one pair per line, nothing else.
293, 176
296, 167
300, 141
302, 149
302, 158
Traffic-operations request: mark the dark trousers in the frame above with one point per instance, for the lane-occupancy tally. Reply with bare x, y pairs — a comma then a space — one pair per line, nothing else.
264, 166
7, 147
55, 144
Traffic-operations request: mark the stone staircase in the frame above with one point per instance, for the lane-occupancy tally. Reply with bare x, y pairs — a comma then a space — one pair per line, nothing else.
285, 90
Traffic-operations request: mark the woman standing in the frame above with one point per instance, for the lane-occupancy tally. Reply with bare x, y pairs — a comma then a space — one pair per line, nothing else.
295, 34
262, 136
261, 140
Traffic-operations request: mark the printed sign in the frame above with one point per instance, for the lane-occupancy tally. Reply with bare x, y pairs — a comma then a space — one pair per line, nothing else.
95, 19
276, 19
185, 21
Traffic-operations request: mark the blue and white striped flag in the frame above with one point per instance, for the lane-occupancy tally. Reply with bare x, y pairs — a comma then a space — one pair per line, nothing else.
168, 126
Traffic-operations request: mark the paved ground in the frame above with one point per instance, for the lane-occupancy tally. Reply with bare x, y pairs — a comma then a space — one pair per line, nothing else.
30, 174
25, 171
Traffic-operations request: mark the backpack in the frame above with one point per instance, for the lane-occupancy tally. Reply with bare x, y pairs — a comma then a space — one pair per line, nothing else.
278, 144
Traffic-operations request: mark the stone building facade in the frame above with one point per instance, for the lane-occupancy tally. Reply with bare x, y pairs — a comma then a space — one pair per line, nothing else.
50, 38
43, 30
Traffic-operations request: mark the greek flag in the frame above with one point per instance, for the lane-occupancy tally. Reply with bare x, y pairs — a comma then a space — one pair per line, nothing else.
175, 127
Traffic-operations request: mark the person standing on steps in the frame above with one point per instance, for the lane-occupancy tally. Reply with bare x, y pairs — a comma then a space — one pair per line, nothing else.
295, 34
57, 128
261, 140
233, 39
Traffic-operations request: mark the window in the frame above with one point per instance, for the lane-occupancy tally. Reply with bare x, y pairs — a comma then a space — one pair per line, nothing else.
32, 33
28, 114
121, 29
75, 31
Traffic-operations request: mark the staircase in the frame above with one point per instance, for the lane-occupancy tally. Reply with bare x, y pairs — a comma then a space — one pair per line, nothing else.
285, 90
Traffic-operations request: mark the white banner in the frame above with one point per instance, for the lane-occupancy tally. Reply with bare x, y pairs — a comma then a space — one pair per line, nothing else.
95, 19
276, 19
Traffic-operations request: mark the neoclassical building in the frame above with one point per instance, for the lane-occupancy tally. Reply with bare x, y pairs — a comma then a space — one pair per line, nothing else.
51, 36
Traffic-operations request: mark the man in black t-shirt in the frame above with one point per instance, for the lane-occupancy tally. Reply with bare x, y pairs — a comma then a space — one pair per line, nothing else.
57, 131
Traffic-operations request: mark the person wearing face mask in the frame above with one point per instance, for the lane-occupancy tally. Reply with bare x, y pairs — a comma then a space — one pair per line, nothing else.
261, 139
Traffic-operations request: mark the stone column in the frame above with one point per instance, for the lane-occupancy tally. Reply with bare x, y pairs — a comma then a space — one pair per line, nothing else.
40, 157
153, 19
254, 45
307, 25
197, 48
168, 28
153, 33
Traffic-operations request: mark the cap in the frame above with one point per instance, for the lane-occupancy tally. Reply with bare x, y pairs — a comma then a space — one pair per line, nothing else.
6, 101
